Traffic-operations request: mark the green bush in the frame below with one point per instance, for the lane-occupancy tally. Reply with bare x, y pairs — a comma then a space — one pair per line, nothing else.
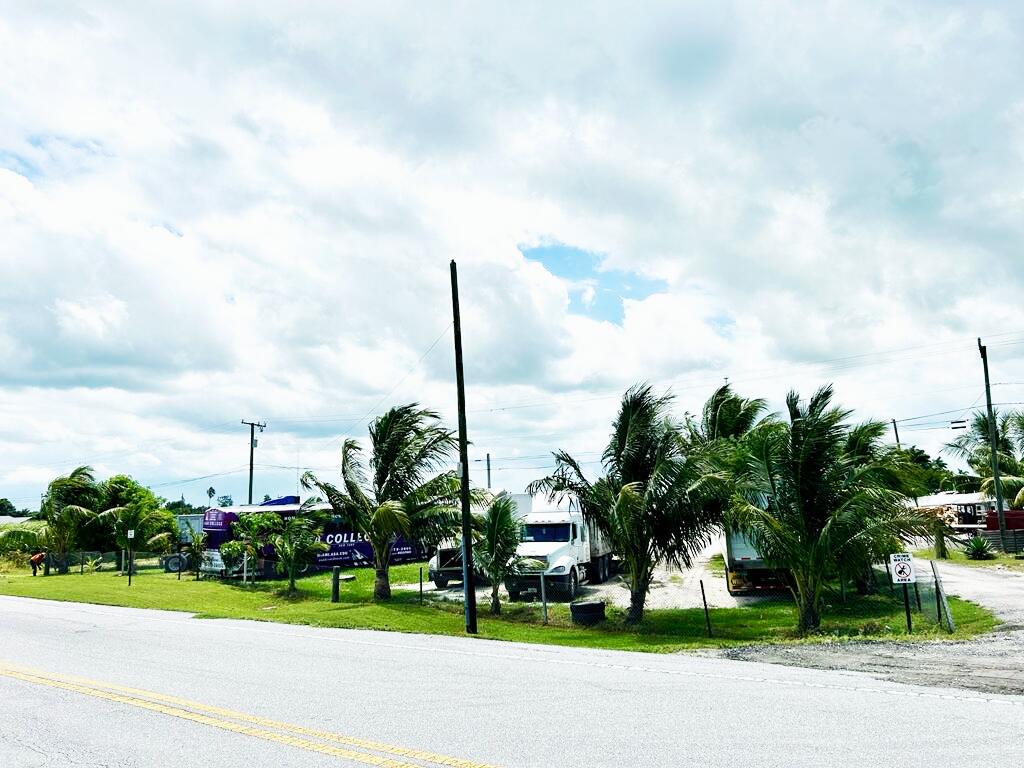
232, 553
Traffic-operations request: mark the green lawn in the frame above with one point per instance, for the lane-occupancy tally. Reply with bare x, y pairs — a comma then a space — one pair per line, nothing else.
1011, 562
716, 565
662, 631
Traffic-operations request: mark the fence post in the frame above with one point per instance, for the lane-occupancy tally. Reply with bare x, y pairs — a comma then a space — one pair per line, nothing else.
335, 583
543, 597
81, 562
917, 596
421, 585
707, 616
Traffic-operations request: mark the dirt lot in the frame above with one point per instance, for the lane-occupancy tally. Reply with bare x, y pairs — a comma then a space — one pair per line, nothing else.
992, 664
671, 588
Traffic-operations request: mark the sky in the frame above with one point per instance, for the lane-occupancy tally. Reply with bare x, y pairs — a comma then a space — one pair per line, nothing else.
213, 212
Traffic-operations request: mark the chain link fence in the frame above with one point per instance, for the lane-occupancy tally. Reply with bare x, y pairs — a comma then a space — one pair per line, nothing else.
85, 561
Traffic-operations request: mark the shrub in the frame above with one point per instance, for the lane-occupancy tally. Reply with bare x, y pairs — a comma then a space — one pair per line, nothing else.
978, 548
231, 553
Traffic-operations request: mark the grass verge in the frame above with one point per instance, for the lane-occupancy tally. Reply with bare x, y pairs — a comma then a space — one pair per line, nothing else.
1010, 562
876, 616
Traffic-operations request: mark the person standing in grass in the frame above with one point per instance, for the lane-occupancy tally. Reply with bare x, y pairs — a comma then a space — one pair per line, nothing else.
36, 560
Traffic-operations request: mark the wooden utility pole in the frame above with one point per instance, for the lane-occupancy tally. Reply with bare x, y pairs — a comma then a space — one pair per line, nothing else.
994, 447
488, 471
252, 448
468, 588
897, 431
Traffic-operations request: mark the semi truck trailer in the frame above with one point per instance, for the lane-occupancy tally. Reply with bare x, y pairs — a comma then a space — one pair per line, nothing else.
745, 570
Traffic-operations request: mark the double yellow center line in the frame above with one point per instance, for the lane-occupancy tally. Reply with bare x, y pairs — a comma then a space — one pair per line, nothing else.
297, 736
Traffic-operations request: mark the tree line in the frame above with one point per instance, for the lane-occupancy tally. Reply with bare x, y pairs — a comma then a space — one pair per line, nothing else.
821, 496
77, 512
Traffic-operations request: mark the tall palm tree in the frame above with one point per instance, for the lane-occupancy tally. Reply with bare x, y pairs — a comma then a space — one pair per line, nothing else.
816, 491
653, 503
975, 447
405, 492
725, 416
497, 538
64, 510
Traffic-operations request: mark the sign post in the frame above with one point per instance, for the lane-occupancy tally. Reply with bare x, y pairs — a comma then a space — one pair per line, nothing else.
131, 559
902, 569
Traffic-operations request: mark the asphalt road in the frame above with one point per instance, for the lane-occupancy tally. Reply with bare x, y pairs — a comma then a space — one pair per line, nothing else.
165, 689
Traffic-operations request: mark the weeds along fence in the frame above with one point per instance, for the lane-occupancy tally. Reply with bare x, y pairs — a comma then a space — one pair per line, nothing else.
927, 596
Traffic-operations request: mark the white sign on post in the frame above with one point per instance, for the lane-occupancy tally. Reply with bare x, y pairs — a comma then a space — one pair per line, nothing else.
901, 566
131, 533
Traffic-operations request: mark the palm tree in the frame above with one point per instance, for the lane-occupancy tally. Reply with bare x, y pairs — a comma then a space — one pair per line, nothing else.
296, 543
210, 493
816, 492
196, 549
405, 494
253, 530
496, 542
975, 447
725, 416
133, 507
64, 510
653, 503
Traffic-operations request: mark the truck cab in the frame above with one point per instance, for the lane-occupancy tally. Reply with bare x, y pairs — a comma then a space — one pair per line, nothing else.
563, 547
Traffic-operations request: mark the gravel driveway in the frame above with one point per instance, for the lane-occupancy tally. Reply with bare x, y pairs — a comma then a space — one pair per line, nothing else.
993, 663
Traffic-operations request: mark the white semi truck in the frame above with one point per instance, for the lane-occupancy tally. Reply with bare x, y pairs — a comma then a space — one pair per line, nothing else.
556, 542
565, 548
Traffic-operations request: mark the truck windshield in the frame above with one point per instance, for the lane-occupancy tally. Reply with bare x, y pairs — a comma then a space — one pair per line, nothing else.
546, 532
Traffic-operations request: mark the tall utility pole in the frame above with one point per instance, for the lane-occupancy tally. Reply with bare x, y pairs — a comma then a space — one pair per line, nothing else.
994, 447
252, 448
897, 431
488, 471
468, 589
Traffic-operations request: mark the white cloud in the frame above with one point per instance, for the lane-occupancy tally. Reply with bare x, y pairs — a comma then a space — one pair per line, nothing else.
218, 213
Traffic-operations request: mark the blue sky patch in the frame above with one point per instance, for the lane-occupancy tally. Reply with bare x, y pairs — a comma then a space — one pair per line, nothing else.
593, 292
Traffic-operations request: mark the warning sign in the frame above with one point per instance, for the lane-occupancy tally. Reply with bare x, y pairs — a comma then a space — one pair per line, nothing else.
901, 566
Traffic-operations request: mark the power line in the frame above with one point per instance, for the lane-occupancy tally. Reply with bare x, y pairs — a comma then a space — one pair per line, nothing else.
196, 479
397, 384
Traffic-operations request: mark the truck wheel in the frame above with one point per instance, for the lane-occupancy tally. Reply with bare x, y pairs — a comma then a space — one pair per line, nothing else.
602, 569
573, 586
440, 582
